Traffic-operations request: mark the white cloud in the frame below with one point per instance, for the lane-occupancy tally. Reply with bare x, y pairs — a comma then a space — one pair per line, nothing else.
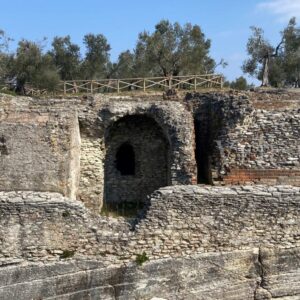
284, 9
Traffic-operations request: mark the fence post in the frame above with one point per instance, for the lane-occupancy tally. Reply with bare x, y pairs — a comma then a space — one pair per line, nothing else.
118, 86
92, 91
170, 82
222, 81
65, 88
144, 85
195, 83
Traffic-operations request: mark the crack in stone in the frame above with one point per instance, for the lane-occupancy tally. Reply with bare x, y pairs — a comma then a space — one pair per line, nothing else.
261, 292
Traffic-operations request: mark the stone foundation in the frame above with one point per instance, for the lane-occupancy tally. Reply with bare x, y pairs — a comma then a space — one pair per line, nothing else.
255, 274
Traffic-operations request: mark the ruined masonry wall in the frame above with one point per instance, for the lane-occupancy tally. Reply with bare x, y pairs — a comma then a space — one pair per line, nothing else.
151, 157
180, 220
39, 151
96, 120
269, 141
91, 189
185, 219
247, 138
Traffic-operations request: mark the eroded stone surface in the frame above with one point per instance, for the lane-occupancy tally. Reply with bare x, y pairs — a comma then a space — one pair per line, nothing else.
216, 276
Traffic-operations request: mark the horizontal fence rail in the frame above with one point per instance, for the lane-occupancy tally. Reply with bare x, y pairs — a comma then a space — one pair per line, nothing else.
192, 82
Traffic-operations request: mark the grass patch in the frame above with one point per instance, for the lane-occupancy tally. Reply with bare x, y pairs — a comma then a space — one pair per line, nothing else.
141, 258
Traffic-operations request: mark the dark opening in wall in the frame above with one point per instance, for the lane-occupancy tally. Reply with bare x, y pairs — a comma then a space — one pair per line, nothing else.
136, 164
125, 159
209, 125
3, 147
202, 152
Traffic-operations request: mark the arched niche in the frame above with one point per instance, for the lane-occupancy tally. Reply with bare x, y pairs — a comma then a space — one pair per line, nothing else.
136, 163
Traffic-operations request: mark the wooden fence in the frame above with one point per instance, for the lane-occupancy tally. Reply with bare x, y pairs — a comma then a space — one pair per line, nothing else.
192, 82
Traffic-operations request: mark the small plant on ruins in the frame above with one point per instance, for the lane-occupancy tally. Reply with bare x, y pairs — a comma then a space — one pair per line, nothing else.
66, 214
141, 258
67, 254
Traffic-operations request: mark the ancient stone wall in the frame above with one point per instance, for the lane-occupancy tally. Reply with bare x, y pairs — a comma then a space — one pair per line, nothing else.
186, 219
243, 138
240, 138
180, 220
44, 168
43, 226
203, 242
39, 151
131, 176
168, 121
267, 141
92, 156
53, 247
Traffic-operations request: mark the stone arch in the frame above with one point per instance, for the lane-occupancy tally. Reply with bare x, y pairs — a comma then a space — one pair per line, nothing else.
173, 120
137, 162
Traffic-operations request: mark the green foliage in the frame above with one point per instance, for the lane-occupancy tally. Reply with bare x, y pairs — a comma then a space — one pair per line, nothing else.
280, 64
257, 48
141, 258
240, 84
173, 49
96, 62
125, 67
66, 57
4, 57
30, 65
291, 55
4, 40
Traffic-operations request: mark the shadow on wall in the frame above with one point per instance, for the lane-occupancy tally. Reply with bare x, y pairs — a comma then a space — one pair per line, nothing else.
202, 154
215, 116
137, 163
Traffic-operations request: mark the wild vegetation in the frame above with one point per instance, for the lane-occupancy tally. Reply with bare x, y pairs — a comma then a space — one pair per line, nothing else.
275, 65
170, 50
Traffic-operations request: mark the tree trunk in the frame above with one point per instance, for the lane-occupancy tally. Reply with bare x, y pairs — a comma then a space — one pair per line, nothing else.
20, 87
265, 76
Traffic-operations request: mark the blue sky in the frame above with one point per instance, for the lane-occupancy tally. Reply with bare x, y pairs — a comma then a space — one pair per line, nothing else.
225, 22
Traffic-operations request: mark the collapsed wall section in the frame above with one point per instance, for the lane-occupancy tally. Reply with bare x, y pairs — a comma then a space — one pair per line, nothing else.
188, 219
180, 221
